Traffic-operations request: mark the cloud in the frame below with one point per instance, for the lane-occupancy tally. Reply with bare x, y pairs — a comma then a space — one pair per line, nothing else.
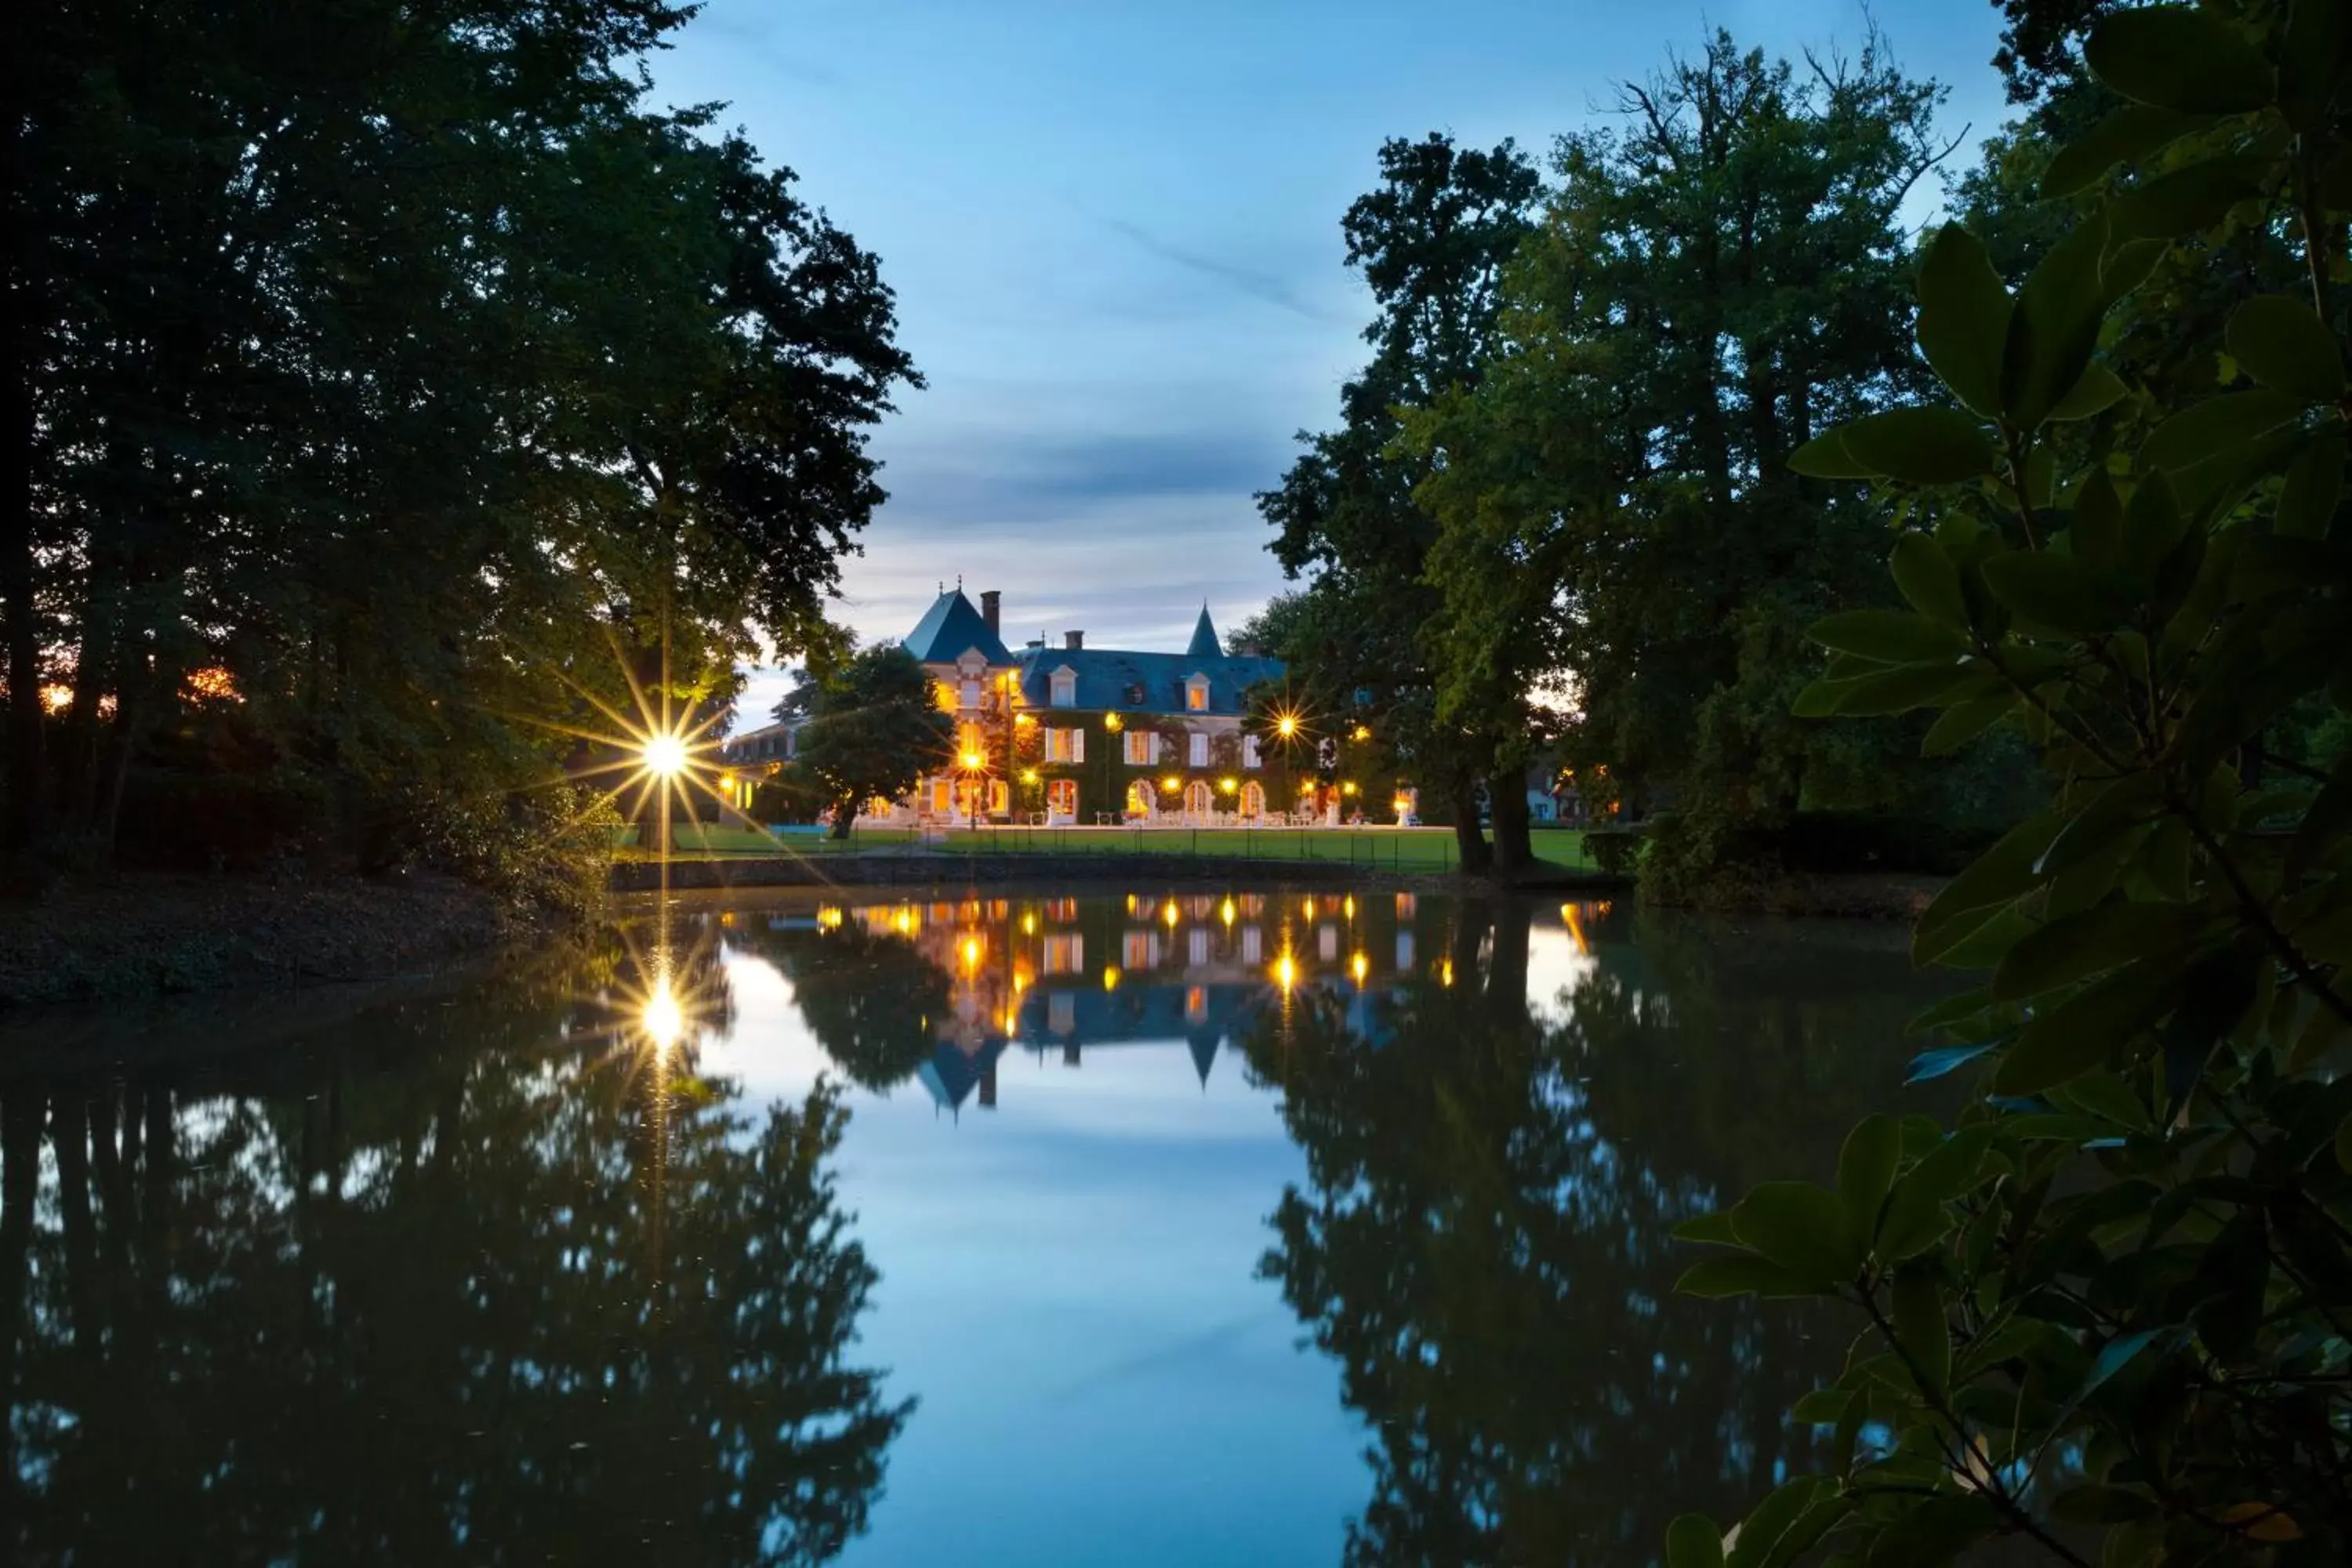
1265, 287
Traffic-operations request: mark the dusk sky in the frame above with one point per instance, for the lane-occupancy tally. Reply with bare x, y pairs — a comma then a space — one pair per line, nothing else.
1114, 232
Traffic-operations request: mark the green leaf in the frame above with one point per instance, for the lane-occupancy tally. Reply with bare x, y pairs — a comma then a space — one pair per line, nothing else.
2204, 429
2091, 942
2052, 590
1920, 1328
1963, 318
2314, 485
2127, 136
1710, 1228
1929, 1065
2056, 325
1964, 721
2127, 264
1907, 687
2311, 58
2097, 391
2184, 202
1951, 1010
1692, 1542
1920, 445
1933, 1530
2328, 816
1916, 1217
1825, 457
2114, 1356
1799, 1227
1823, 698
1890, 637
1714, 1278
2176, 59
2152, 526
2081, 1032
1929, 581
2282, 344
1998, 876
1866, 1171
1760, 1532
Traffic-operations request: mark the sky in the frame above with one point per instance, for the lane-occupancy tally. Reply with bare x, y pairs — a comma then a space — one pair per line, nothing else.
1113, 231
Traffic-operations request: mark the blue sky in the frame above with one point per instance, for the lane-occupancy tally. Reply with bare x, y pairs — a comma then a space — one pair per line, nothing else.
1113, 229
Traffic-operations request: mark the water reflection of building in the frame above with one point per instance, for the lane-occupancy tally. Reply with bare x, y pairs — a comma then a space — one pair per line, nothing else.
1059, 977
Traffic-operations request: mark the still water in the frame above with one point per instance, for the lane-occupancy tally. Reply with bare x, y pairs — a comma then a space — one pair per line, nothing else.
1254, 1227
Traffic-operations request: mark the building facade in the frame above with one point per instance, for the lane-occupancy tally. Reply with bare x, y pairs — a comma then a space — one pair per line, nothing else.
1070, 734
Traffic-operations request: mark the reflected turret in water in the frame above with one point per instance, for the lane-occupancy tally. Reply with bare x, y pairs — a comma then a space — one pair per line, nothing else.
1225, 1226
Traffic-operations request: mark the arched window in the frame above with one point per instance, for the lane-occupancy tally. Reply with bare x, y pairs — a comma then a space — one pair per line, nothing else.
1253, 800
1141, 798
1198, 800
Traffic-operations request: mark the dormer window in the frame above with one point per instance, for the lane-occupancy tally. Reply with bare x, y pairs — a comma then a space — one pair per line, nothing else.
1065, 688
1196, 694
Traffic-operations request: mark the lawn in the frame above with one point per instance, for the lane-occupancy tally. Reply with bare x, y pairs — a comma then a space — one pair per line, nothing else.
1393, 848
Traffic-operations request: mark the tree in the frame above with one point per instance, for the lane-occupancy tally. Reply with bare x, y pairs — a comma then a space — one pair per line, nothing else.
1710, 286
874, 730
380, 374
2115, 1296
1430, 241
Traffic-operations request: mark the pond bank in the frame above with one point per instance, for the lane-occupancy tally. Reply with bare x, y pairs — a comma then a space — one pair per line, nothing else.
896, 868
134, 936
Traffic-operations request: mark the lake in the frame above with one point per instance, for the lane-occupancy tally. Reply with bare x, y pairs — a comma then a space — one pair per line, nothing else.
1126, 1226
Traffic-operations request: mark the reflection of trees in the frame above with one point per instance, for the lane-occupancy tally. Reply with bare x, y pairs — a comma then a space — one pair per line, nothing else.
1482, 1244
872, 1001
425, 1301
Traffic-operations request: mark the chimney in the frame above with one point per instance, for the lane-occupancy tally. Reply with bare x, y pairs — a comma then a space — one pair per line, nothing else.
989, 601
1074, 640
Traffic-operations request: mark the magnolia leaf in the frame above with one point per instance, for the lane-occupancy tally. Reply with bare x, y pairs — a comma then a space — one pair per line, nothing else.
2127, 135
1710, 1228
1951, 1010
1929, 1065
1963, 318
2097, 532
1998, 876
1714, 1278
2315, 486
1907, 687
1890, 637
2091, 942
2205, 429
1823, 698
2282, 344
2186, 201
2056, 325
2053, 590
1866, 1171
1921, 1329
2081, 1032
1964, 721
2097, 390
1692, 1542
1799, 1227
2176, 59
1934, 1530
1929, 581
1920, 445
1825, 457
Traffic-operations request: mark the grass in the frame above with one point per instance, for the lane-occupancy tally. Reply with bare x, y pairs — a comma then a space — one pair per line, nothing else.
1393, 848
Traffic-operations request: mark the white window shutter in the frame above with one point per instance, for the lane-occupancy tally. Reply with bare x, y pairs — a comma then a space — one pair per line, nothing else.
1078, 745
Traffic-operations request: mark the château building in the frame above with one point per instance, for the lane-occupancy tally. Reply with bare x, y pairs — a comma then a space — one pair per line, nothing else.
1071, 735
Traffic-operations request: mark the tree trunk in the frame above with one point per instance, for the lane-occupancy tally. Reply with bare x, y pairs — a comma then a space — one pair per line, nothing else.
1477, 859
844, 817
1514, 840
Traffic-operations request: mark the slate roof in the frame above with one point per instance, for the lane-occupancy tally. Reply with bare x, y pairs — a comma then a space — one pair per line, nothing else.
1204, 643
950, 627
1141, 682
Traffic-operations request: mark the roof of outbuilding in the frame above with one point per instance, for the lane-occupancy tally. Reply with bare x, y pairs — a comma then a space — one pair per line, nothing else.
1143, 682
949, 628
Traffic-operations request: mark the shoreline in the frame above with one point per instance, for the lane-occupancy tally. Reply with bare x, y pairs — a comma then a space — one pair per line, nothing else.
893, 869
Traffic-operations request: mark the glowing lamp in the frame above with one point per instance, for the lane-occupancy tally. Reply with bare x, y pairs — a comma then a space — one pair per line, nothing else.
1229, 785
1286, 726
1111, 721
1347, 788
972, 761
1361, 733
664, 756
1171, 782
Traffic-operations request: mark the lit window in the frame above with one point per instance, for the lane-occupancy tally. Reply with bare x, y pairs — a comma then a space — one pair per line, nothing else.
1140, 949
1196, 694
1062, 797
1142, 748
1065, 954
1065, 745
1196, 1003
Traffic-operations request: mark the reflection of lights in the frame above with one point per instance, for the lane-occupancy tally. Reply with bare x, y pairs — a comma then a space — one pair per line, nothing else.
1359, 967
1285, 972
1307, 908
663, 754
1575, 928
1348, 906
972, 952
1168, 913
1445, 973
1029, 923
829, 917
1225, 911
904, 922
663, 1020
1110, 977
